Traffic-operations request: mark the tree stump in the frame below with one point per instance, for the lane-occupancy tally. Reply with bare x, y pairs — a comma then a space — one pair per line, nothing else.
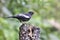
29, 32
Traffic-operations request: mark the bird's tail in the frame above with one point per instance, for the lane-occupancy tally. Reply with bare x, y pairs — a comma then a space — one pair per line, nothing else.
11, 17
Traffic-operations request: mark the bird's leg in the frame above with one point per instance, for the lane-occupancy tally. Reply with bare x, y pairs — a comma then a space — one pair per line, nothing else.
23, 22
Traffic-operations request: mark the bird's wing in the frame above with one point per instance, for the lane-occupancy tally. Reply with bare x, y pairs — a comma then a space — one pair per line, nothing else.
23, 15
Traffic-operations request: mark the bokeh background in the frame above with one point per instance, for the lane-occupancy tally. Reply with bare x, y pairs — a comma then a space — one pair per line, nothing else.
46, 17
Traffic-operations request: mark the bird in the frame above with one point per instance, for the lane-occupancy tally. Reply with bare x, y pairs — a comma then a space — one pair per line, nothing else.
23, 17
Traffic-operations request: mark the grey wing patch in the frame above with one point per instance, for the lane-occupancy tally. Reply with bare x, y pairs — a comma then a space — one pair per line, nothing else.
24, 15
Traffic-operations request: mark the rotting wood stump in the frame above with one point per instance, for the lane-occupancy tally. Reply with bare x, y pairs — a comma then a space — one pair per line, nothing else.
29, 32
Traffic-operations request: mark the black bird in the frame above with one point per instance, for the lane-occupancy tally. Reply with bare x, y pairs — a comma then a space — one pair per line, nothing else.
23, 17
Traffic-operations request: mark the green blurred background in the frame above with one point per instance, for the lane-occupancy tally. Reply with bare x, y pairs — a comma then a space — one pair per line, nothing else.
46, 17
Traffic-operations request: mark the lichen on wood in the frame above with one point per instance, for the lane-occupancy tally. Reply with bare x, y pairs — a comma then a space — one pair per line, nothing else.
29, 32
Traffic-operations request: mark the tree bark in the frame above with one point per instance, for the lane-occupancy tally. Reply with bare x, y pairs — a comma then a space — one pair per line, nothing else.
29, 32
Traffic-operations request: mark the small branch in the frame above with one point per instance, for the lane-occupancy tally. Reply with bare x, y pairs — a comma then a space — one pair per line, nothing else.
55, 24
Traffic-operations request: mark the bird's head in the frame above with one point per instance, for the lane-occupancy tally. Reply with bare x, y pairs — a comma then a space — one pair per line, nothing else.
31, 12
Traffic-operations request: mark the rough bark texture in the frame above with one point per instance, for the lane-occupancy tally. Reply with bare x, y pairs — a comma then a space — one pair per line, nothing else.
29, 32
